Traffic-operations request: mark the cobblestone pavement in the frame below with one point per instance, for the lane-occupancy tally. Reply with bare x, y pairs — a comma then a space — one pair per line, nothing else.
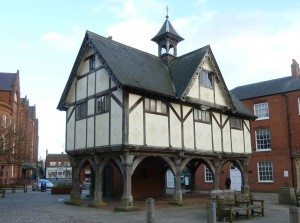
43, 207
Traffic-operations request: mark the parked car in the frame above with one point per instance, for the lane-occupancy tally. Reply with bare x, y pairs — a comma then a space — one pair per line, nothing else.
37, 185
86, 183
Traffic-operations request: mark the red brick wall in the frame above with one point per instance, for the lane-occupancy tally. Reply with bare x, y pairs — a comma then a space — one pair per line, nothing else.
149, 178
280, 153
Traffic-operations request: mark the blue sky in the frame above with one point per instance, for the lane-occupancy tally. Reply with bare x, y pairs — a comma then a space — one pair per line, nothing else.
252, 41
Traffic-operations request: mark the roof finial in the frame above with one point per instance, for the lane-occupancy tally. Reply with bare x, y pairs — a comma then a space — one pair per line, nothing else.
167, 12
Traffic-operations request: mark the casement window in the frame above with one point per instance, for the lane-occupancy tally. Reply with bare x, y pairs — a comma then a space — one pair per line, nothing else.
236, 123
208, 175
263, 139
261, 110
155, 106
92, 62
265, 171
202, 116
81, 110
102, 104
299, 105
206, 79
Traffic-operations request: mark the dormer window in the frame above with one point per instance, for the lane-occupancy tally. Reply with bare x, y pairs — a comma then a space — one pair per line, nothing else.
206, 79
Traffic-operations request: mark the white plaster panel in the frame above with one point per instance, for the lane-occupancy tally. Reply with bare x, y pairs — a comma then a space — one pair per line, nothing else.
194, 91
113, 84
203, 136
116, 123
119, 95
185, 110
247, 123
217, 117
71, 94
80, 137
90, 132
136, 123
91, 84
175, 130
102, 80
207, 66
102, 130
157, 133
81, 88
177, 109
247, 137
91, 106
83, 68
188, 127
219, 94
237, 141
98, 62
69, 111
70, 128
217, 137
206, 94
226, 138
133, 98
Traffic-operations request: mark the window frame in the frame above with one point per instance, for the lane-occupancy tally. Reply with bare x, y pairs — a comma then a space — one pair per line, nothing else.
236, 123
204, 113
259, 111
269, 173
206, 79
156, 106
99, 105
92, 62
81, 110
208, 175
263, 139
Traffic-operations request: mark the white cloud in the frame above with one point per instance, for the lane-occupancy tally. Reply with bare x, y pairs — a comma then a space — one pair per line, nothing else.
62, 42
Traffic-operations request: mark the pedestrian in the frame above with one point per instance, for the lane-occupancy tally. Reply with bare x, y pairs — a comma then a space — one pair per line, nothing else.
227, 182
187, 182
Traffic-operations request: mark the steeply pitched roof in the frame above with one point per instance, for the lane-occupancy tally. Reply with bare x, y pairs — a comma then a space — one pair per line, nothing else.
265, 88
167, 28
183, 68
136, 69
7, 81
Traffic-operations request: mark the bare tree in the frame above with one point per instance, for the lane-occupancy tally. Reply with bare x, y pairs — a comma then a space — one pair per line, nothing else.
13, 145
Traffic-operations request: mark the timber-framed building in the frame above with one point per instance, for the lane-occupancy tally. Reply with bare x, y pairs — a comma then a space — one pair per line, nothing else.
131, 116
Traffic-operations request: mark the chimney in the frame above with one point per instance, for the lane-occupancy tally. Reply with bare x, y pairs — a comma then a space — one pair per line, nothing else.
295, 69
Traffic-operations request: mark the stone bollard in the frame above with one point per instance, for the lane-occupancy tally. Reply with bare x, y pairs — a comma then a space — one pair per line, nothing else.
150, 210
211, 213
294, 215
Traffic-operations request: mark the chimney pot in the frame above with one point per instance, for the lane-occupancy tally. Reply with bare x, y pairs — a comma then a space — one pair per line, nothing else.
295, 69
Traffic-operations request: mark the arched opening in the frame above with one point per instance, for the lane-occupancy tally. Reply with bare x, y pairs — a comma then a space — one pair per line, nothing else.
112, 180
232, 170
149, 178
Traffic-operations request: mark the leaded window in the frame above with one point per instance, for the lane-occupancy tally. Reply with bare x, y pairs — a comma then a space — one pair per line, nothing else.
202, 116
206, 79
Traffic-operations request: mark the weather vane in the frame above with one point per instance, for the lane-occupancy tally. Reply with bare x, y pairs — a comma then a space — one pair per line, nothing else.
167, 12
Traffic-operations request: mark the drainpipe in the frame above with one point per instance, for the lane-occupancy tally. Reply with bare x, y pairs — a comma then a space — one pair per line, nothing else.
289, 135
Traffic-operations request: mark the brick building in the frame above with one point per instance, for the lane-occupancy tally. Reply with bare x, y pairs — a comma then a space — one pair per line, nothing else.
18, 132
275, 160
57, 166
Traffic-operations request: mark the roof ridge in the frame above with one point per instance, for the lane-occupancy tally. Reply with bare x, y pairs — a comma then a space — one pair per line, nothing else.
122, 44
